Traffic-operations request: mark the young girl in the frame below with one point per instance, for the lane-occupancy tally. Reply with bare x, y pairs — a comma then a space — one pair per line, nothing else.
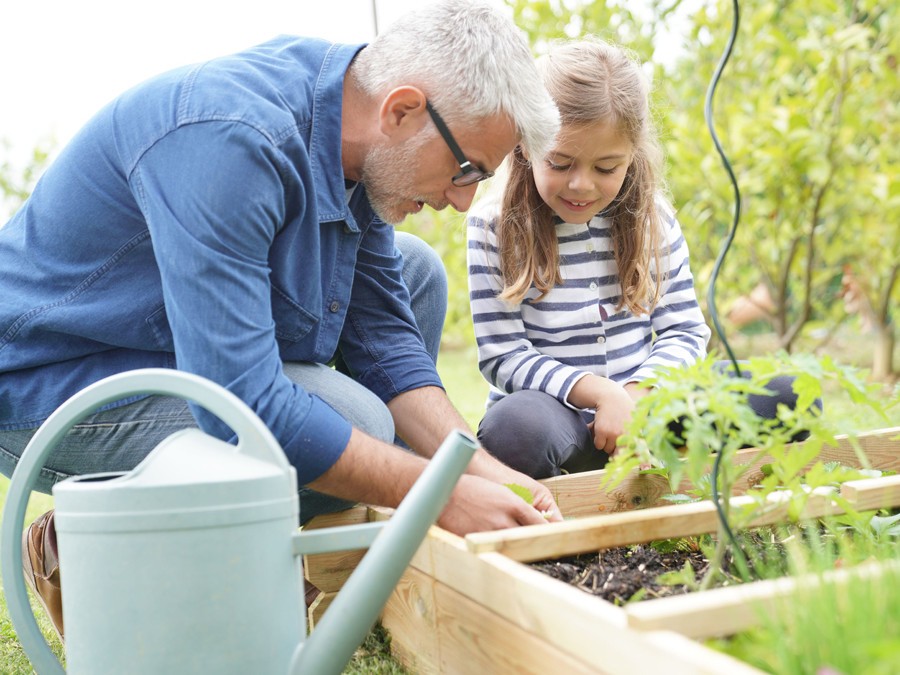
578, 275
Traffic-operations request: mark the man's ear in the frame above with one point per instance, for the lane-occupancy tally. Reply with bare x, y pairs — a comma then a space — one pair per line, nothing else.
402, 112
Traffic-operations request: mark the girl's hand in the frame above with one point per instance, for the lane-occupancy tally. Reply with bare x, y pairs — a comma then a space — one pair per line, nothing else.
613, 411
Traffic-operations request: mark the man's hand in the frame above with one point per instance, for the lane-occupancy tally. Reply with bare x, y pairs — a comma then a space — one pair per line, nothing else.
377, 473
478, 504
487, 466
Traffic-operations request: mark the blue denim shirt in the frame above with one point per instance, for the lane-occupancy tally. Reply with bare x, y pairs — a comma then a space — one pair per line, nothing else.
200, 222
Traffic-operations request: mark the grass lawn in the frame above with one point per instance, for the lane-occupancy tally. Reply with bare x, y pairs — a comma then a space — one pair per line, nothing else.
468, 390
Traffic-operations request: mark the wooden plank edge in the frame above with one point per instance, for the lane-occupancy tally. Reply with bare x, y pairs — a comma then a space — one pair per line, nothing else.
540, 542
873, 493
725, 611
687, 656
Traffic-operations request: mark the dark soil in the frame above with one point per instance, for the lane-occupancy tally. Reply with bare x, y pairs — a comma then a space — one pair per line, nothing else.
616, 574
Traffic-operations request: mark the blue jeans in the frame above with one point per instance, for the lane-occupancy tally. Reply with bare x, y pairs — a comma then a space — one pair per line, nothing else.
118, 439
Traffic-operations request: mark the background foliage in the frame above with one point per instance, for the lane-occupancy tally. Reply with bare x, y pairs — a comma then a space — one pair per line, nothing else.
807, 112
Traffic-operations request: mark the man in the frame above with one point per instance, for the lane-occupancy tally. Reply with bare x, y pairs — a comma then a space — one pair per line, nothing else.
223, 219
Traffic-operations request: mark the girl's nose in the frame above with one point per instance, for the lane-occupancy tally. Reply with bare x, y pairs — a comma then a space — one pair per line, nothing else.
579, 181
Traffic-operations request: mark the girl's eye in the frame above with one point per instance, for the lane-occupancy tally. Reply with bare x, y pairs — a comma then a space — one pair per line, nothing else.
607, 172
557, 167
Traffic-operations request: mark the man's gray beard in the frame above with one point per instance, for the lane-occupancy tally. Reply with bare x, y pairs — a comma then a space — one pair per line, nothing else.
387, 173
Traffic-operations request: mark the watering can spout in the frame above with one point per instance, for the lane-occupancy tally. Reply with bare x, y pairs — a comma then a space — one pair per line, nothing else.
355, 609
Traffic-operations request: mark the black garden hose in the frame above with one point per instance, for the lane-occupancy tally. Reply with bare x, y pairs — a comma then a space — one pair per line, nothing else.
726, 245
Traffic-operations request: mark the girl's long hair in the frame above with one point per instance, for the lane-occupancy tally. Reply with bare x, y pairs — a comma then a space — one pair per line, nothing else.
590, 81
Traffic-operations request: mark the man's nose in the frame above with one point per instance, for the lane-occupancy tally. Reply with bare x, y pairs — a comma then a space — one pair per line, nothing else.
460, 198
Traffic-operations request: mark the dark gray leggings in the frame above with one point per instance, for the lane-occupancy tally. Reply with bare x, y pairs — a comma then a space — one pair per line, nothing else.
534, 433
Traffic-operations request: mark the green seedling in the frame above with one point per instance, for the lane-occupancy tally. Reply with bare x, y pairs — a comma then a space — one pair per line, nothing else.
527, 495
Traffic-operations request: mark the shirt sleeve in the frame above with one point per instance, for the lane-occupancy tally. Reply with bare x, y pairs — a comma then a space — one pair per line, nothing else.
381, 344
678, 324
506, 357
212, 215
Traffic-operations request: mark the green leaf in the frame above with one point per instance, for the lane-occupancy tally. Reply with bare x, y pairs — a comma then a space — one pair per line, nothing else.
522, 492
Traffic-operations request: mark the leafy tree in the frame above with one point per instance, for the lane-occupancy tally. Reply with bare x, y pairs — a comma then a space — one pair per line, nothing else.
803, 111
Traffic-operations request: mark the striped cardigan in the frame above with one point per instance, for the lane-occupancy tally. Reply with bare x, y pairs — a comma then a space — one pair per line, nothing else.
575, 329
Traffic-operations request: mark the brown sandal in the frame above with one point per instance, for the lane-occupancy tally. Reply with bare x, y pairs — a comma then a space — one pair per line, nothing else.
40, 560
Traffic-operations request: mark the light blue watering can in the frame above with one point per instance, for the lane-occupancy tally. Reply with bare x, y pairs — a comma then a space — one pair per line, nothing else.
190, 563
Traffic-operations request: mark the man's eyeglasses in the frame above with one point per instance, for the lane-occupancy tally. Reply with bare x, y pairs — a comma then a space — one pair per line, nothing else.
469, 174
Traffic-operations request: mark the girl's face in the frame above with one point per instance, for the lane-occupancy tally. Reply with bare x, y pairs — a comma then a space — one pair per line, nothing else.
584, 172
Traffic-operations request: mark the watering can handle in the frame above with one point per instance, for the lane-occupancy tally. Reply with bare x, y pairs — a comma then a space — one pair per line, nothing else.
254, 438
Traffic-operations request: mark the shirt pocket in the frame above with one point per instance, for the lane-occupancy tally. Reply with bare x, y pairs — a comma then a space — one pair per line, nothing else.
292, 321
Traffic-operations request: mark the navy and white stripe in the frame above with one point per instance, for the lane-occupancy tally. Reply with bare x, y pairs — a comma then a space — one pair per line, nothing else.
575, 329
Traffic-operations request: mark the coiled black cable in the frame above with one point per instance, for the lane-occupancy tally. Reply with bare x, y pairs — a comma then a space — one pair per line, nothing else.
726, 245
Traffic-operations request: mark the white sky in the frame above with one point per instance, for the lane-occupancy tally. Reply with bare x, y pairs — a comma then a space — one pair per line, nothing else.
62, 60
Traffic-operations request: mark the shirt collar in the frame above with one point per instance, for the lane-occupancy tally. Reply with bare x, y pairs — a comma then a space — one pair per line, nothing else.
325, 137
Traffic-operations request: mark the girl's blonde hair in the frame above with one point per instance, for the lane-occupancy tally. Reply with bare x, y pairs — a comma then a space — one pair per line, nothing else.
590, 81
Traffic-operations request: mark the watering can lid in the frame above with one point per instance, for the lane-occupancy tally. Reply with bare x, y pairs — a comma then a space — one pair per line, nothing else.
189, 480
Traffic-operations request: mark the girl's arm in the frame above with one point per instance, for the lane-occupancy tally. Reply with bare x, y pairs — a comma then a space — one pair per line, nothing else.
680, 329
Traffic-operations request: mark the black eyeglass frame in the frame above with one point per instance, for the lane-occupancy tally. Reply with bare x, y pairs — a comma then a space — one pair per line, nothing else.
469, 174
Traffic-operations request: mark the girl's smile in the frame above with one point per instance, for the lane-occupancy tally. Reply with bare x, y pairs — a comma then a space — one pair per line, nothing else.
584, 172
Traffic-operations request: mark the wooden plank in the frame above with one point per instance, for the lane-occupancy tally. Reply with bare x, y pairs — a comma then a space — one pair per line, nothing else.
351, 516
409, 617
476, 640
726, 611
881, 448
329, 571
873, 493
580, 495
315, 611
691, 656
553, 540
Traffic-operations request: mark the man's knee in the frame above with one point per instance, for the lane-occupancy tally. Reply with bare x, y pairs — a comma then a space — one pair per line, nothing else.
422, 266
426, 280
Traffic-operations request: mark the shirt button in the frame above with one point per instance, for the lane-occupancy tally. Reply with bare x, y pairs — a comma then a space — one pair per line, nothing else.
593, 286
346, 228
334, 306
601, 340
590, 247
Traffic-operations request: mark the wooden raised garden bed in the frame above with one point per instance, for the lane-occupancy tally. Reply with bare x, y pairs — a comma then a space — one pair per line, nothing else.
473, 604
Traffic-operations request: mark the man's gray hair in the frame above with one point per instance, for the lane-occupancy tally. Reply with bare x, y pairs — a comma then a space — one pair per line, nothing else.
470, 60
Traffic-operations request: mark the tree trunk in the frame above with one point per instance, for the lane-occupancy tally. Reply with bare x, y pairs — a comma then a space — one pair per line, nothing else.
883, 355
